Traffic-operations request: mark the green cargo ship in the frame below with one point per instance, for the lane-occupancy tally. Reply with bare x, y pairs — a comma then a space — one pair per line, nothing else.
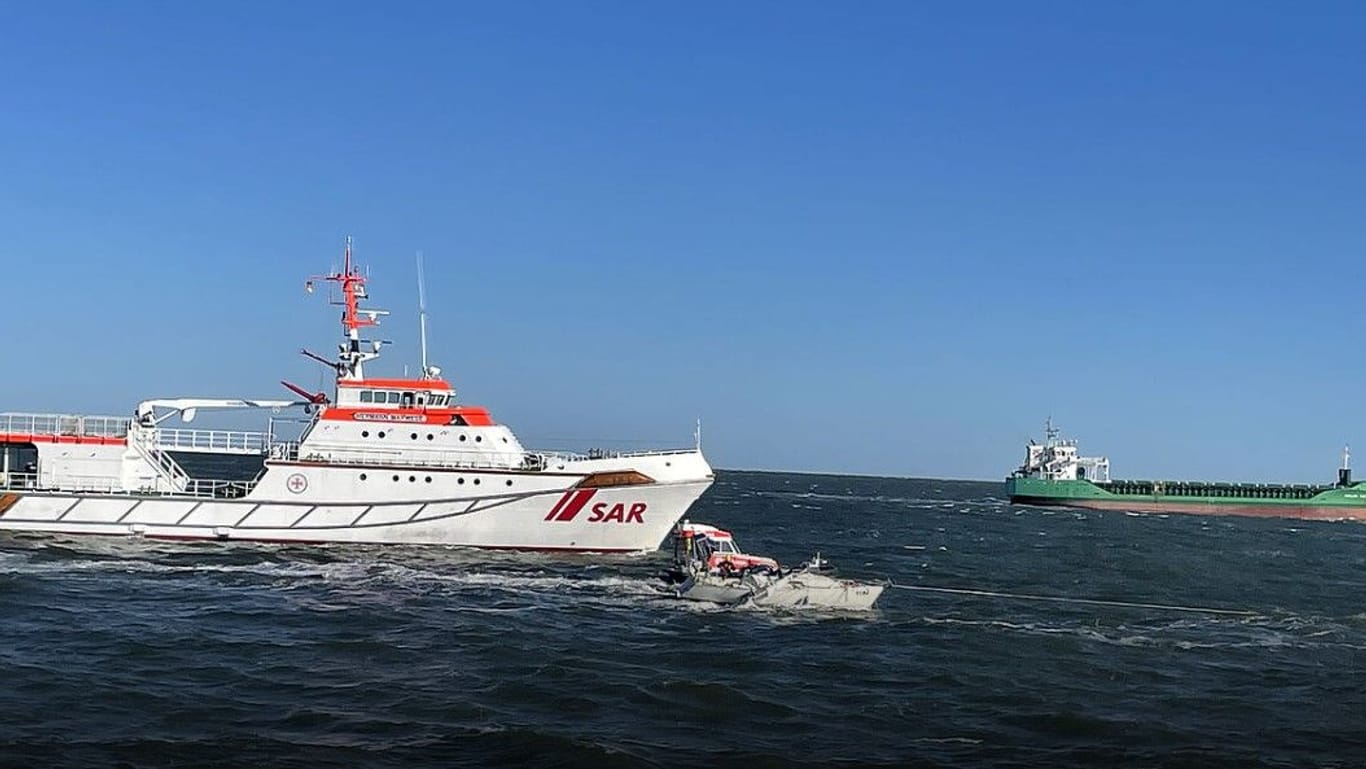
1054, 475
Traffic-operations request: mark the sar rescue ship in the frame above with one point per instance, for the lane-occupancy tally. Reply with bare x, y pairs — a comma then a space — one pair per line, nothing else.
376, 460
1054, 475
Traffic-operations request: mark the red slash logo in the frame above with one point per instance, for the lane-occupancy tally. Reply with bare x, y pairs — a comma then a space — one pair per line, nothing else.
570, 504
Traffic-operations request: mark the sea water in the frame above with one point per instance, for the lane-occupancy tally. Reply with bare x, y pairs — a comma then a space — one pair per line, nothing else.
130, 653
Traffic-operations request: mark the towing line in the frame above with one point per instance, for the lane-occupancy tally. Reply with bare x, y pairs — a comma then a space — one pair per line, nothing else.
1065, 599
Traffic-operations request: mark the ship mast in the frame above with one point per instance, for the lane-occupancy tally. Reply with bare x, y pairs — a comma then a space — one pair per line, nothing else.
350, 357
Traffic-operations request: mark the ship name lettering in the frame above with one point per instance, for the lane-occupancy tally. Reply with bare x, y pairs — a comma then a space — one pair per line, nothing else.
618, 513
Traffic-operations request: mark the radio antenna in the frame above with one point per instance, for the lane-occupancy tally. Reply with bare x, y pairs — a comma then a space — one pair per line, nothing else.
422, 316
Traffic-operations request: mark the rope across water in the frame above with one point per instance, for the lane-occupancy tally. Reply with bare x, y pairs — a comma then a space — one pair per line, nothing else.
1066, 599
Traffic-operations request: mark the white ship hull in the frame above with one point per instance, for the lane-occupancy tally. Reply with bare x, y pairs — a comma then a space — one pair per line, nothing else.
551, 512
517, 523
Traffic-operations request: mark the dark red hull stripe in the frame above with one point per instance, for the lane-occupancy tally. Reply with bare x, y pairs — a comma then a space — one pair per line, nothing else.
1301, 512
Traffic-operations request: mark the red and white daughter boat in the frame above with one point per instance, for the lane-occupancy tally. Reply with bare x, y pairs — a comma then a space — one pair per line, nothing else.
379, 460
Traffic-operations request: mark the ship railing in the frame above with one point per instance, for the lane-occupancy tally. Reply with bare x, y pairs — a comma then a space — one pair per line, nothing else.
46, 481
95, 484
212, 441
64, 425
144, 443
287, 451
219, 489
290, 451
614, 454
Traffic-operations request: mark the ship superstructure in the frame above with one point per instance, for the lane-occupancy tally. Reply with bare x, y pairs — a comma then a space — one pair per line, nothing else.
1057, 460
377, 460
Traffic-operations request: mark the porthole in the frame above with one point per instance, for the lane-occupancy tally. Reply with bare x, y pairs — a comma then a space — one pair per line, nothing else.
509, 481
476, 481
381, 433
462, 437
429, 436
478, 438
412, 479
414, 436
461, 481
365, 433
395, 477
429, 479
362, 476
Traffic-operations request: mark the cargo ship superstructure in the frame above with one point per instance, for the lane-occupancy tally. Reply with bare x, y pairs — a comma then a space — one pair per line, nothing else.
391, 460
1054, 474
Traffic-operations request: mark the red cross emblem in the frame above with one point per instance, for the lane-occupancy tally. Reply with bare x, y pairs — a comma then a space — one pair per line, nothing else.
297, 483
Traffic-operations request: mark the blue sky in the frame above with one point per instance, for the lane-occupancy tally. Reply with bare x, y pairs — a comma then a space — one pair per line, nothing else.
882, 238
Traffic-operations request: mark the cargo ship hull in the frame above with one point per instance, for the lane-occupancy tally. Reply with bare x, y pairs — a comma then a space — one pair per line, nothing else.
1326, 503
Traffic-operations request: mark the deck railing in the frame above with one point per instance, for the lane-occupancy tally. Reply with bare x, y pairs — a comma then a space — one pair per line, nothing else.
92, 484
64, 425
224, 441
502, 460
471, 459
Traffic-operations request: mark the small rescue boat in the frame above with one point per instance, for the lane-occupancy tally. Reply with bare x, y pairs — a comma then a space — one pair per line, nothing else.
709, 566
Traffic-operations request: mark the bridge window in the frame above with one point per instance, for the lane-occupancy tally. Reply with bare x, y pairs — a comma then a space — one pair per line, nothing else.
367, 396
421, 398
395, 397
407, 400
